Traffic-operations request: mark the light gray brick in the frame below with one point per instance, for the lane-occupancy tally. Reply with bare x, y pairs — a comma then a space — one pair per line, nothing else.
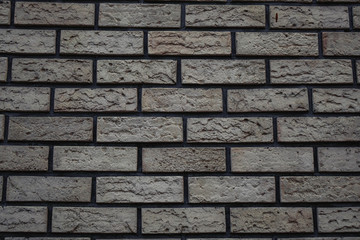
341, 43
5, 12
338, 220
3, 68
356, 16
336, 100
339, 159
2, 126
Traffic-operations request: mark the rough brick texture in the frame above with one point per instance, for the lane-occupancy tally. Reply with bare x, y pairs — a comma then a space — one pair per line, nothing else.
180, 120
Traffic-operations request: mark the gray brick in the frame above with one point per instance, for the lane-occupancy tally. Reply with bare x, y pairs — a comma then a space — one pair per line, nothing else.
336, 100
338, 220
2, 126
3, 68
356, 16
5, 12
339, 159
341, 43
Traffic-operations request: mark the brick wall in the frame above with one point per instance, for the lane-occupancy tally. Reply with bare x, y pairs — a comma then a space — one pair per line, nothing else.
180, 120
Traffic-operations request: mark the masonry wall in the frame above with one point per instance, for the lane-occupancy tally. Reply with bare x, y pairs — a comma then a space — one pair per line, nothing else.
191, 120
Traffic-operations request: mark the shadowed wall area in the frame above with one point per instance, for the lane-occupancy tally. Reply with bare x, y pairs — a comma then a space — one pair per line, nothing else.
180, 120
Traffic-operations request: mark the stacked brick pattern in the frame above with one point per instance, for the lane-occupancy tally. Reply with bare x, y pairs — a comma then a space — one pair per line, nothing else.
188, 120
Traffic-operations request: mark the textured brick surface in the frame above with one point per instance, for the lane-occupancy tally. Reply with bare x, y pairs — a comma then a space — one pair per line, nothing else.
137, 71
23, 219
139, 189
189, 43
5, 12
254, 159
339, 219
267, 220
3, 69
341, 44
339, 159
52, 70
336, 100
276, 44
356, 14
181, 100
183, 159
140, 15
2, 126
183, 220
76, 158
225, 16
53, 189
54, 14
231, 189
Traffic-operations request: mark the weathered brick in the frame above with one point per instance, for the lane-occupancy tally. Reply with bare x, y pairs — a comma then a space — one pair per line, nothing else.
24, 99
271, 220
336, 100
341, 43
231, 189
95, 100
316, 129
358, 71
5, 14
181, 100
1, 186
93, 220
320, 189
53, 189
267, 100
27, 41
2, 126
136, 71
51, 70
276, 44
50, 128
183, 220
334, 220
101, 42
47, 13
207, 71
23, 219
140, 15
139, 129
183, 160
314, 17
189, 43
225, 16
230, 130
139, 189
356, 16
24, 158
75, 158
311, 71
273, 159
3, 69
339, 159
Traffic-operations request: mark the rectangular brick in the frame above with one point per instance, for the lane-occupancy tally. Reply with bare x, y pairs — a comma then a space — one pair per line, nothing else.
139, 189
51, 70
320, 189
267, 100
1, 186
337, 220
101, 42
3, 68
314, 17
23, 219
93, 220
231, 189
208, 71
50, 129
47, 13
95, 100
27, 41
356, 16
341, 43
229, 130
183, 160
45, 238
24, 158
339, 159
189, 43
316, 129
181, 100
183, 220
53, 189
338, 1
336, 100
311, 71
24, 99
76, 158
139, 129
5, 12
225, 16
136, 71
140, 15
276, 44
272, 159
271, 220
2, 126
358, 71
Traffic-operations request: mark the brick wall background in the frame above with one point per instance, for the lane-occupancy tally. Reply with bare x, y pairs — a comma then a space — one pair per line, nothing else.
181, 120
